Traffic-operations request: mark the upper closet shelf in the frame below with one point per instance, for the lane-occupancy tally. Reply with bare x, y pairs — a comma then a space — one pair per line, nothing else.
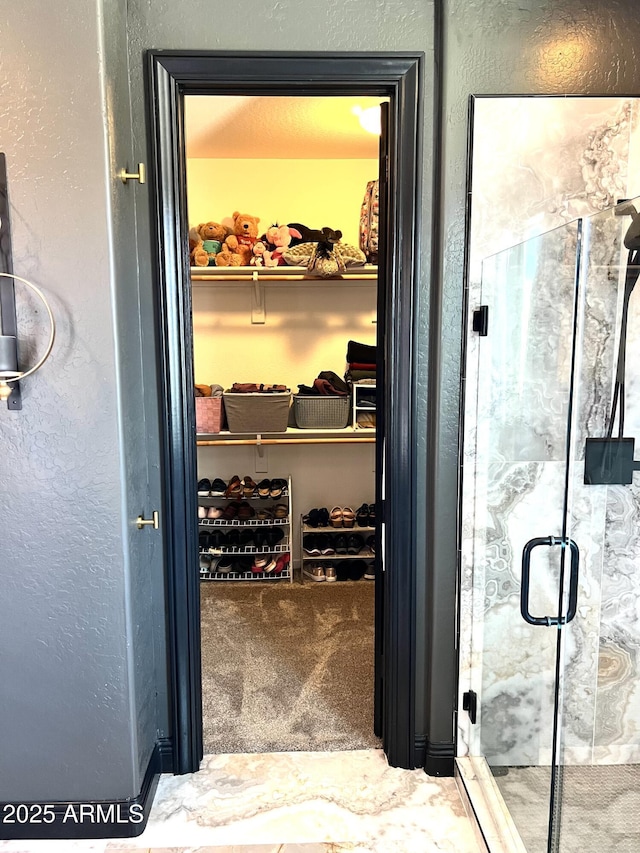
368, 272
279, 276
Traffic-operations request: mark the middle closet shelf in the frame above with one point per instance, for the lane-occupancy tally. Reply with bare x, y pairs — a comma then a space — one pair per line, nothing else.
348, 435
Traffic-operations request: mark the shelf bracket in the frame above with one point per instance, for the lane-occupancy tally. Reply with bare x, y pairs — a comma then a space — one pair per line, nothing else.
261, 459
258, 312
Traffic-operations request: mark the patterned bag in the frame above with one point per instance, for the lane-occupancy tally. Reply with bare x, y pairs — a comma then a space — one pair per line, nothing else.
369, 222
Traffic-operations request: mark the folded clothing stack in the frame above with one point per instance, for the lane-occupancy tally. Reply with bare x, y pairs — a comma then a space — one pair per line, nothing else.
255, 388
328, 384
208, 390
361, 362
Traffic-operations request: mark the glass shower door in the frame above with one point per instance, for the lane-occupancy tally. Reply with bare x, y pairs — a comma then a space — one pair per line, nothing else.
598, 784
524, 564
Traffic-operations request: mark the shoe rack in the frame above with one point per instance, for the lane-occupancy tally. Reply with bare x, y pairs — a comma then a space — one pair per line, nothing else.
226, 535
338, 561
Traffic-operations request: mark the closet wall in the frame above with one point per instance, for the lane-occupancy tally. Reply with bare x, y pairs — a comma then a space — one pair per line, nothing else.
308, 323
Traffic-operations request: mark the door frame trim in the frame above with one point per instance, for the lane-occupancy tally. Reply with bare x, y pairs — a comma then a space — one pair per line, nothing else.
171, 75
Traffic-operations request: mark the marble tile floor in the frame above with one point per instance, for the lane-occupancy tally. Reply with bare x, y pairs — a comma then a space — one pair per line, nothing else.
294, 802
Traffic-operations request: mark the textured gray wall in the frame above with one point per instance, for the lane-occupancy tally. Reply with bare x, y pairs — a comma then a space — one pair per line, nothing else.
74, 713
305, 25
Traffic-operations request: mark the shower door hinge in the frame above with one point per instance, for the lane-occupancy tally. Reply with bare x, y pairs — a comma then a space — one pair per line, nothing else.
481, 320
470, 704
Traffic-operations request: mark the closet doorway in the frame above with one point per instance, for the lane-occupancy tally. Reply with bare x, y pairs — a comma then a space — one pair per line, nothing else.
286, 478
179, 82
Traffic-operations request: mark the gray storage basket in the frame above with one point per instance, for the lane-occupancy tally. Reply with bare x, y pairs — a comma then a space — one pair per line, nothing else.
257, 413
321, 412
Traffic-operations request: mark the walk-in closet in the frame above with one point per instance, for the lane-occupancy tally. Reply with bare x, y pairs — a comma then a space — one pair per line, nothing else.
284, 350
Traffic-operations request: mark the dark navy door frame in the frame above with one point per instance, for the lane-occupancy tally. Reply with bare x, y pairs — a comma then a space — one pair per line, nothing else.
397, 76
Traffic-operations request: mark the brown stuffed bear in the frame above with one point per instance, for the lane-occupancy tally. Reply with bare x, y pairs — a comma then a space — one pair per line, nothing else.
205, 242
238, 247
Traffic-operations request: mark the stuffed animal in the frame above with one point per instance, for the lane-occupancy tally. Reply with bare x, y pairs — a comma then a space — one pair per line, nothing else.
278, 239
328, 257
262, 256
205, 242
198, 257
237, 247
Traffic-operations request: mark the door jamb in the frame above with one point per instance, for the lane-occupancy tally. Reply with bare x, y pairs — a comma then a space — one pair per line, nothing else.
170, 75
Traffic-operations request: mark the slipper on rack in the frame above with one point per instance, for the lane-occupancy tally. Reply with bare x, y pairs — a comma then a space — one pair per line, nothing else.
249, 487
214, 512
280, 511
264, 487
264, 514
335, 517
245, 511
230, 511
277, 488
348, 517
234, 488
362, 516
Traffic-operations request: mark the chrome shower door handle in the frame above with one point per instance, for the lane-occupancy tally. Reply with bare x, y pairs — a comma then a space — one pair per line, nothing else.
549, 541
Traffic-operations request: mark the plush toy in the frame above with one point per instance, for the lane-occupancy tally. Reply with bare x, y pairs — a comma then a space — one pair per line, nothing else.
307, 235
278, 239
197, 255
205, 242
328, 257
237, 247
262, 256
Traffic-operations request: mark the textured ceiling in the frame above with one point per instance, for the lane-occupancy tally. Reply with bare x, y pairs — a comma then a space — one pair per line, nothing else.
230, 126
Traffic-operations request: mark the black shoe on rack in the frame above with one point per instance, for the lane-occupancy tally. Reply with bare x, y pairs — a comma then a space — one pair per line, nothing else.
218, 488
260, 538
370, 572
356, 569
225, 565
355, 543
340, 543
204, 488
274, 535
362, 516
370, 542
310, 545
204, 539
245, 538
325, 543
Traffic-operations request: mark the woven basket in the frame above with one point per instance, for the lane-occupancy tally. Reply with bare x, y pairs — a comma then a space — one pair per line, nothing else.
322, 412
209, 414
257, 412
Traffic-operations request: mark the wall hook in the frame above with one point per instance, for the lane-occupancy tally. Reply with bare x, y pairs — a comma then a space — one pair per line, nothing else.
140, 175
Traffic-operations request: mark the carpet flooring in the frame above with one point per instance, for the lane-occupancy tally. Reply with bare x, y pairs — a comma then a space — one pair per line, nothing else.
287, 667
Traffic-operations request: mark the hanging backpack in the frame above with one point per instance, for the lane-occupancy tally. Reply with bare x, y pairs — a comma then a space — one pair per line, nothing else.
369, 222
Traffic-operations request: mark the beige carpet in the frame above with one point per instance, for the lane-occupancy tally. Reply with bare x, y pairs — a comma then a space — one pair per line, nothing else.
287, 667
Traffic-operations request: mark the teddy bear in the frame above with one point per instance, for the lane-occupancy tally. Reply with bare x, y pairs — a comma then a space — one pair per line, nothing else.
205, 242
237, 247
